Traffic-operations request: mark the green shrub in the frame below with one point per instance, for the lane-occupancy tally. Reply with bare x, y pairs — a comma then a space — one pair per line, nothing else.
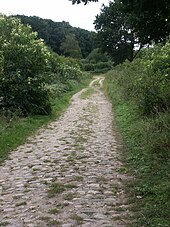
96, 56
25, 57
102, 65
30, 74
99, 67
62, 69
147, 80
88, 67
67, 72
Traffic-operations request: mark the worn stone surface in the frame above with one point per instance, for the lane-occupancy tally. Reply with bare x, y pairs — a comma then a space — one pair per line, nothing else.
80, 152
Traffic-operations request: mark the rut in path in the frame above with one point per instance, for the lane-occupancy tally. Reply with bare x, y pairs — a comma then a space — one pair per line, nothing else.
67, 174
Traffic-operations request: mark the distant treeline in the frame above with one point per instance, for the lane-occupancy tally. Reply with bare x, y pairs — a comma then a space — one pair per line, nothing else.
55, 34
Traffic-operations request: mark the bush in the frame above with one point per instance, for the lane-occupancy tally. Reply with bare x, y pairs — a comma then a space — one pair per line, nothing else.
96, 56
100, 67
147, 80
97, 62
88, 67
24, 59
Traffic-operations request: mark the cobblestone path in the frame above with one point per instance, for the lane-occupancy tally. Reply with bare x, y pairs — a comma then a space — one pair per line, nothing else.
67, 174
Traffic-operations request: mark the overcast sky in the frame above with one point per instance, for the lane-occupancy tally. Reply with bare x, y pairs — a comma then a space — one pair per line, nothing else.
57, 10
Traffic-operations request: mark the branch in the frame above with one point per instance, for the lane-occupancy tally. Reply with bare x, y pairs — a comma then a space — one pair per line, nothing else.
84, 1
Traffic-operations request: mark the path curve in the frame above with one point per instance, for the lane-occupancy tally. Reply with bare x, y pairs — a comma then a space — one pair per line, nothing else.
67, 174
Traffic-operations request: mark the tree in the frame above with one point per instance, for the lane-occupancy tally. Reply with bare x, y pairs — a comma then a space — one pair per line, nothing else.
54, 33
86, 40
97, 56
150, 19
70, 47
114, 34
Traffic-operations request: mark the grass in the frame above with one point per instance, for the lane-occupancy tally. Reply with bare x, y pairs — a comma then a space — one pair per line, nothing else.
78, 178
54, 211
77, 218
145, 155
57, 188
15, 131
101, 179
86, 94
69, 196
4, 223
54, 223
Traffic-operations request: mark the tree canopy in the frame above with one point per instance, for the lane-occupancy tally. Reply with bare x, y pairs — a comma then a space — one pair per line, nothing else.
149, 19
114, 35
70, 47
125, 23
54, 33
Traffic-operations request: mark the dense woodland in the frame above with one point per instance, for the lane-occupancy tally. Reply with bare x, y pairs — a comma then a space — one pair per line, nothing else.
57, 34
42, 60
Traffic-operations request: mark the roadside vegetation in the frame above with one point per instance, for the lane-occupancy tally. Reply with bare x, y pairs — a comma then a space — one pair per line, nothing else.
35, 83
140, 95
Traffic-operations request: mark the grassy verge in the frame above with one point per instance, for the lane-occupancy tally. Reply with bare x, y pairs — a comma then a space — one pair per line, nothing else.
14, 131
146, 148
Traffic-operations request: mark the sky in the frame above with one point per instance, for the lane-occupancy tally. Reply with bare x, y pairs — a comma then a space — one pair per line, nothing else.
56, 10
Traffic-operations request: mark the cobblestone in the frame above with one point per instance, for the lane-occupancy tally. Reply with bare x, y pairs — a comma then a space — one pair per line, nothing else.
80, 151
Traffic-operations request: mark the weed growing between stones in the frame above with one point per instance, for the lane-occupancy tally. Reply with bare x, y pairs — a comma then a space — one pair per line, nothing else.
54, 223
57, 188
4, 223
70, 196
77, 218
54, 211
78, 178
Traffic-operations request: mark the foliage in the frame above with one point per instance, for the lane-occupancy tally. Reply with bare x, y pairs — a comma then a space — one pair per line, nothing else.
114, 34
31, 75
147, 80
63, 69
145, 137
88, 67
100, 67
70, 47
86, 40
97, 62
149, 19
54, 33
97, 56
23, 62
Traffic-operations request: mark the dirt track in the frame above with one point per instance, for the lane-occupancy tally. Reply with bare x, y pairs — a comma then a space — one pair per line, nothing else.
67, 174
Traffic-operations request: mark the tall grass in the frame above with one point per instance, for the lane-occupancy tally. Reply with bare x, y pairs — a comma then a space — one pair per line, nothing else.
146, 149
